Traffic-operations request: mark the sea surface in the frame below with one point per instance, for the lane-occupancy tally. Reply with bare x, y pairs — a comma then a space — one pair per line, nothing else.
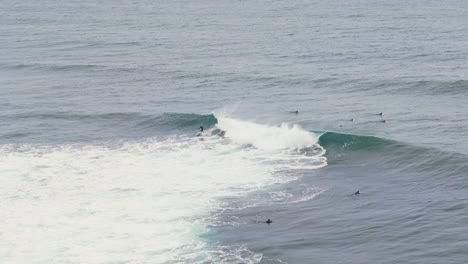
102, 160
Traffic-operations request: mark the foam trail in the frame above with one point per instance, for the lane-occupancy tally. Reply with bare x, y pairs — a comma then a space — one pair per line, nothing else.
266, 137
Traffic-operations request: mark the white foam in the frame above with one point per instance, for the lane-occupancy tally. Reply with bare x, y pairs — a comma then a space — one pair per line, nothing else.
139, 202
285, 136
284, 197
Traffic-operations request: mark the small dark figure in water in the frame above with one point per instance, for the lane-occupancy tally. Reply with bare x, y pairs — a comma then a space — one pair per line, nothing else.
357, 193
384, 121
201, 131
268, 221
352, 120
294, 112
380, 114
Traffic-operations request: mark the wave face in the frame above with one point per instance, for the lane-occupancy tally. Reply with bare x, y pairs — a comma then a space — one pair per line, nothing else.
177, 121
66, 126
338, 143
389, 154
94, 203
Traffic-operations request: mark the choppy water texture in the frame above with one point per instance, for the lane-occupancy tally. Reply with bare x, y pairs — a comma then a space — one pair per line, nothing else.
101, 160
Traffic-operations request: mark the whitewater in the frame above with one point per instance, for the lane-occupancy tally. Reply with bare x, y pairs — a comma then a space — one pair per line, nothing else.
143, 201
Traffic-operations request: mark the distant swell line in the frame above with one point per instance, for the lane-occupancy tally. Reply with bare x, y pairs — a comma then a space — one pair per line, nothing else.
39, 66
77, 116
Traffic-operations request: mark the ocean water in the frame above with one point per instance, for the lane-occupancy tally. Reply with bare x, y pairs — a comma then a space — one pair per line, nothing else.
101, 160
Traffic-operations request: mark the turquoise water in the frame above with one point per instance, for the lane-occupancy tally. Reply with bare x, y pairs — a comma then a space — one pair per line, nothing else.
102, 101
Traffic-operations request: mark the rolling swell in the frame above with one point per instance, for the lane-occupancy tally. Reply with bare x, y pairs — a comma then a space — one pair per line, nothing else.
340, 148
48, 127
388, 154
179, 121
349, 142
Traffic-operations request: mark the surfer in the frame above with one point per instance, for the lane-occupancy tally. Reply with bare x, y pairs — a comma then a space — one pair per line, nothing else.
380, 114
267, 221
294, 112
357, 193
201, 131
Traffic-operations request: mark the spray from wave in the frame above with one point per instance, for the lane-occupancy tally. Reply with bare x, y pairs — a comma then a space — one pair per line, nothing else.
285, 136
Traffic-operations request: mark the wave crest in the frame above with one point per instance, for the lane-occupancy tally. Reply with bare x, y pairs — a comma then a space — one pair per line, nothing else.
286, 136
